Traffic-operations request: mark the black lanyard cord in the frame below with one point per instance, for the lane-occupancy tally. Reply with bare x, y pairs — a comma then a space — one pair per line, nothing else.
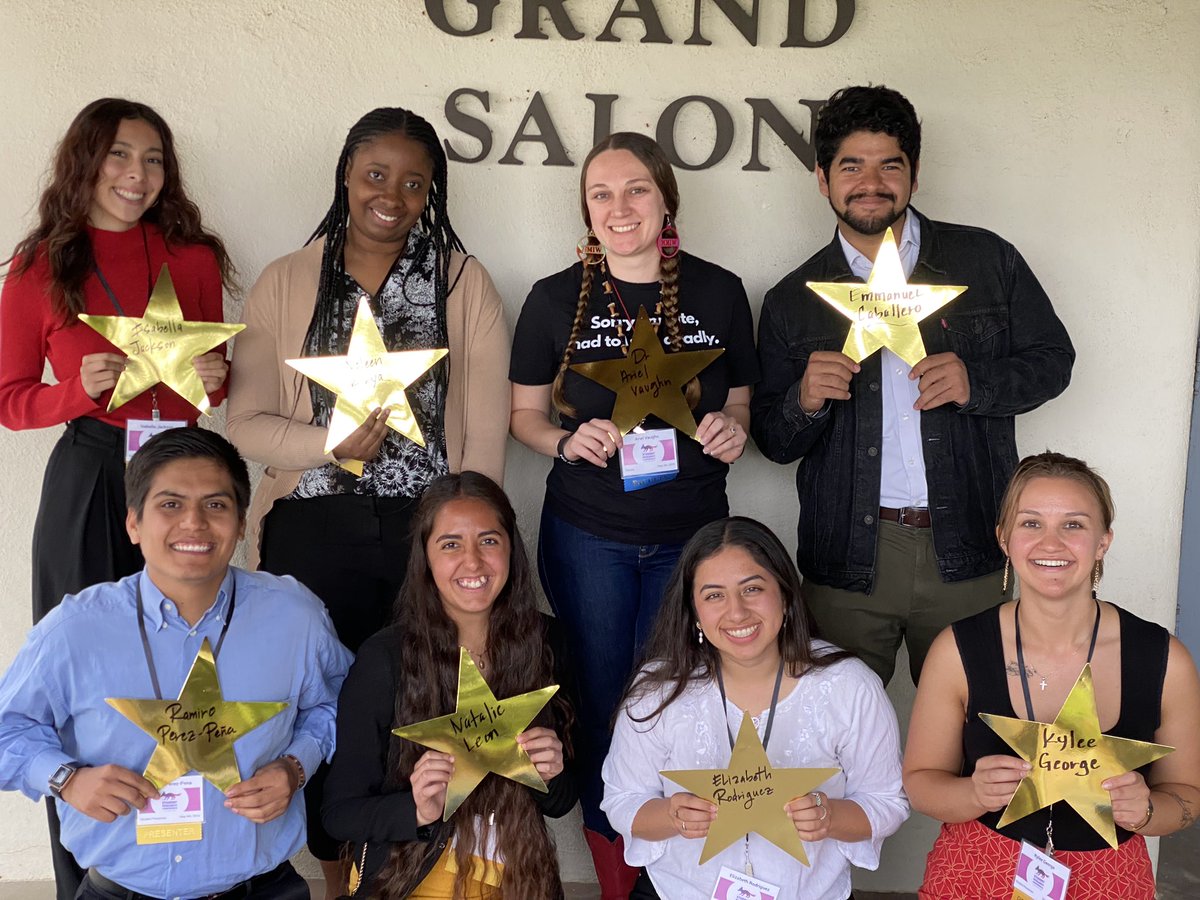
146, 639
1021, 653
770, 715
149, 276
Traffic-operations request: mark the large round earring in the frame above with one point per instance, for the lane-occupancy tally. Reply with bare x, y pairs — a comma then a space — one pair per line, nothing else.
668, 239
699, 635
1096, 581
1004, 585
589, 249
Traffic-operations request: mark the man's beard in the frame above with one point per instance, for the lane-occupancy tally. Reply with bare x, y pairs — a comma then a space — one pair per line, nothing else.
877, 224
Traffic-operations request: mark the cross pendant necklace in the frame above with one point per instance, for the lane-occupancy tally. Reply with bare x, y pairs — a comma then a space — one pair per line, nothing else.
1042, 684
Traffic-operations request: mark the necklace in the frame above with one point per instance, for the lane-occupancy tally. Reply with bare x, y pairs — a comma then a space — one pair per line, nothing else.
611, 289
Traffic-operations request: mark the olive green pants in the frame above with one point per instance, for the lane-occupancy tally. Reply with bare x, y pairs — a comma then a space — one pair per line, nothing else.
910, 602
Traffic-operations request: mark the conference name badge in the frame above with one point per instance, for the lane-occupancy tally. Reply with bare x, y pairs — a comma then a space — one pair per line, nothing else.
735, 885
1038, 876
177, 815
138, 431
649, 457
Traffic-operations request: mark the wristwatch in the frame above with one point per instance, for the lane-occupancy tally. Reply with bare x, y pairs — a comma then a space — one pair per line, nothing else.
61, 776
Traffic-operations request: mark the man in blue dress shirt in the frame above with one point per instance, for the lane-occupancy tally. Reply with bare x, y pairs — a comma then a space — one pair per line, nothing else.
187, 491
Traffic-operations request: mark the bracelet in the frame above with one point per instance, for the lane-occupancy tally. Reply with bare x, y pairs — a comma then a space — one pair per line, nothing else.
299, 768
1149, 815
562, 442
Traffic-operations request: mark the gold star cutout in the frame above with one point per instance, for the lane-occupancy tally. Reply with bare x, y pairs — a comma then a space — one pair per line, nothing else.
1070, 759
885, 312
195, 733
160, 346
750, 796
367, 378
649, 380
481, 734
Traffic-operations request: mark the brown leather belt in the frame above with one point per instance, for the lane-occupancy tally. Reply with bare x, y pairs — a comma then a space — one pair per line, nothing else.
909, 516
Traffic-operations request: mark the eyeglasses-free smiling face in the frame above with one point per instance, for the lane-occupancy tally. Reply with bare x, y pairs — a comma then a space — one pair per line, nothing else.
870, 182
739, 607
468, 552
625, 205
1056, 537
130, 178
387, 183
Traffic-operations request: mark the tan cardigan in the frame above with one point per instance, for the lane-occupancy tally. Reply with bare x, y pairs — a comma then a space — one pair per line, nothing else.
270, 411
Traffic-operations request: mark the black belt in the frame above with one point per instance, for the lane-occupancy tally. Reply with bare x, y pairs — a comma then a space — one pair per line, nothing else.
909, 516
241, 889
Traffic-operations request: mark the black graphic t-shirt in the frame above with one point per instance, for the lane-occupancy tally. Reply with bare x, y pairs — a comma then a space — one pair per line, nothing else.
713, 313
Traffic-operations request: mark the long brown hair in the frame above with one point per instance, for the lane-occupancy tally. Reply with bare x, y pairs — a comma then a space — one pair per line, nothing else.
652, 157
673, 658
61, 231
428, 685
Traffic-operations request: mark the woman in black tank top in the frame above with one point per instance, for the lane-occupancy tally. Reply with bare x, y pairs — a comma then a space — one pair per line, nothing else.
1021, 660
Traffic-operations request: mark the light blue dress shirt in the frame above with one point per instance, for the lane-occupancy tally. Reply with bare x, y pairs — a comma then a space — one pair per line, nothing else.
280, 646
902, 479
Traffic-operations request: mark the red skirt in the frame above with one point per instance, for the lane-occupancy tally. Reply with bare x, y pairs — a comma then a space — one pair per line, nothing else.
969, 861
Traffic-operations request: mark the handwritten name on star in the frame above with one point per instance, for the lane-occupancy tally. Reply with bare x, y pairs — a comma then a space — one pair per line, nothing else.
742, 787
1063, 751
468, 727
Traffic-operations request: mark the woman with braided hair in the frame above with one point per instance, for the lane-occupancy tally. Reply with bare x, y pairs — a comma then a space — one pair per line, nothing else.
387, 237
607, 547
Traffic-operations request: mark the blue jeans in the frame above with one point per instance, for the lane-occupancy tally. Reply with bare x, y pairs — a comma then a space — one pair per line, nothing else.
606, 595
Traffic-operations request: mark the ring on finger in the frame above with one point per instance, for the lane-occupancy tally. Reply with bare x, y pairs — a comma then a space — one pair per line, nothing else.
683, 824
733, 429
817, 799
824, 813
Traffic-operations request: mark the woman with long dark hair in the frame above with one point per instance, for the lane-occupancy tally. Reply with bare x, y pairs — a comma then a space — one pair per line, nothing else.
387, 237
732, 638
114, 213
606, 546
468, 584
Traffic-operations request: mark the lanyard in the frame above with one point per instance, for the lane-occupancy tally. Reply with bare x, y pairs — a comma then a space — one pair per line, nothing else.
146, 639
770, 715
149, 276
1029, 697
747, 866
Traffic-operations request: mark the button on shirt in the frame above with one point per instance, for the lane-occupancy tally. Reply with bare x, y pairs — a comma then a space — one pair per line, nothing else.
902, 480
280, 646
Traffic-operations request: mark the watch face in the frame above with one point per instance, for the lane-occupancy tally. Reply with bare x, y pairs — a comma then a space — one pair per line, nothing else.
60, 777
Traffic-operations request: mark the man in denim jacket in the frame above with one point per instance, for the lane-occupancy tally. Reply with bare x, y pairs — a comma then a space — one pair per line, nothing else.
901, 469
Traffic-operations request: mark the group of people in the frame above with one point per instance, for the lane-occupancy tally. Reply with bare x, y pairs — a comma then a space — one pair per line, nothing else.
671, 618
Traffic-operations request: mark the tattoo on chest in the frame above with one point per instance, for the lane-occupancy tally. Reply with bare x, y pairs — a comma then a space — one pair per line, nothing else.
1014, 671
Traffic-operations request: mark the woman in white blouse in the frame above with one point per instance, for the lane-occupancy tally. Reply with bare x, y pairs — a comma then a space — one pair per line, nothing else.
732, 637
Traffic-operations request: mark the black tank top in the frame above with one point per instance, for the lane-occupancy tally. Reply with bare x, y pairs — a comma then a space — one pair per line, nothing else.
1144, 648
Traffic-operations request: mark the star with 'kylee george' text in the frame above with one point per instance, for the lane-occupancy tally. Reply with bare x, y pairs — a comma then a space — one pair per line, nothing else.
885, 312
481, 734
648, 380
1071, 759
368, 378
160, 346
196, 731
750, 795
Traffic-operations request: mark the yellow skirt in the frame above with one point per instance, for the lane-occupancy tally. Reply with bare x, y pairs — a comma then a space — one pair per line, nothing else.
439, 883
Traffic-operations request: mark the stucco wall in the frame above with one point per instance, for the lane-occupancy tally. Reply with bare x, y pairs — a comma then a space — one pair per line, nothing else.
1069, 127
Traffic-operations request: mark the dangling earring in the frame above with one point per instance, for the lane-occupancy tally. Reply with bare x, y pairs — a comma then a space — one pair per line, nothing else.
1096, 581
1004, 586
699, 635
668, 239
589, 249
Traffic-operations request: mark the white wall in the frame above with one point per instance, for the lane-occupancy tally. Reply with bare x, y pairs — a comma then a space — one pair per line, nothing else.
1069, 127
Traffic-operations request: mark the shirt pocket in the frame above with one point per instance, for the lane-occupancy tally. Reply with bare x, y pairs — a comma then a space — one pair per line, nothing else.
977, 335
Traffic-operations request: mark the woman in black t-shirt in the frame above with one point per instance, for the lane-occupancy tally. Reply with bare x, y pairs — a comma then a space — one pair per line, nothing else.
607, 546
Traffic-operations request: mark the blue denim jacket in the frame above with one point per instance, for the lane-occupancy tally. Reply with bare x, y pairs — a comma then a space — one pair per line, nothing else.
1017, 354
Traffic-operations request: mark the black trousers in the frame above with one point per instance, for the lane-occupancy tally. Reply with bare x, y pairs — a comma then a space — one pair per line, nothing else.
351, 551
282, 883
79, 539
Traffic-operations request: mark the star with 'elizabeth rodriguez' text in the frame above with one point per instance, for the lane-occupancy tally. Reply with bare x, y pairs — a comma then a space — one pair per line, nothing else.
886, 311
1071, 758
750, 795
368, 378
648, 380
481, 734
196, 731
160, 346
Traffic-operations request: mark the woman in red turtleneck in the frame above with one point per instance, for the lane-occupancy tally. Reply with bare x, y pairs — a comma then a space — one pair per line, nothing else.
115, 211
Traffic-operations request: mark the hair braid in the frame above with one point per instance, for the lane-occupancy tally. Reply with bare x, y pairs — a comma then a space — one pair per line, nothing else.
581, 305
670, 318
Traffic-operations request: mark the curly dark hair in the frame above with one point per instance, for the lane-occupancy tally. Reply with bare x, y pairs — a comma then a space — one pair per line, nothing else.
61, 231
673, 658
428, 685
866, 108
